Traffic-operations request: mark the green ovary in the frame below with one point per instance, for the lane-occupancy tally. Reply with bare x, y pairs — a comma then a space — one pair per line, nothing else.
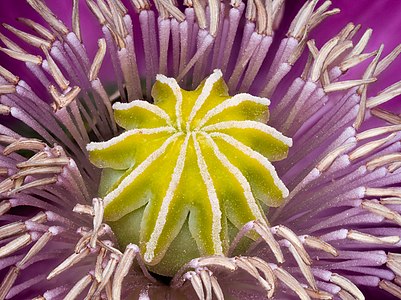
189, 171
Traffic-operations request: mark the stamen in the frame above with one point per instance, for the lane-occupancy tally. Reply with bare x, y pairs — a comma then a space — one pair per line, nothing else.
6, 185
305, 269
99, 268
321, 295
344, 295
5, 139
256, 62
216, 288
299, 25
205, 44
250, 13
345, 85
360, 46
164, 39
243, 60
84, 209
381, 210
141, 5
391, 200
29, 38
15, 245
59, 161
173, 10
321, 57
296, 54
317, 243
24, 144
393, 263
5, 206
382, 192
25, 286
385, 62
196, 282
377, 131
8, 281
291, 282
328, 160
107, 272
55, 71
261, 16
7, 89
163, 13
10, 44
214, 7
347, 285
97, 62
226, 263
96, 11
390, 287
98, 209
118, 20
106, 12
119, 41
355, 60
321, 13
192, 43
243, 263
83, 241
392, 87
50, 18
19, 227
7, 75
12, 229
369, 147
72, 260
39, 29
200, 14
75, 19
344, 33
269, 239
383, 97
362, 90
234, 17
386, 115
205, 277
337, 52
368, 238
79, 287
122, 270
108, 290
35, 171
123, 10
63, 100
269, 282
383, 160
24, 57
39, 245
294, 240
109, 247
92, 289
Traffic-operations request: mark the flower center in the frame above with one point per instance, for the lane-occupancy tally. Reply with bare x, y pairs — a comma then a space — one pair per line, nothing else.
189, 171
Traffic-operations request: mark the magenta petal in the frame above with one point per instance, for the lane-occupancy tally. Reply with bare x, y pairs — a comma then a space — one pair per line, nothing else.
338, 230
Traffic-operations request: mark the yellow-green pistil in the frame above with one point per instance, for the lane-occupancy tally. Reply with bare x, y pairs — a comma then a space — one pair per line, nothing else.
189, 171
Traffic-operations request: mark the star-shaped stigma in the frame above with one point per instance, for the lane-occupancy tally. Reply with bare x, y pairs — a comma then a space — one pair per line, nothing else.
194, 160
